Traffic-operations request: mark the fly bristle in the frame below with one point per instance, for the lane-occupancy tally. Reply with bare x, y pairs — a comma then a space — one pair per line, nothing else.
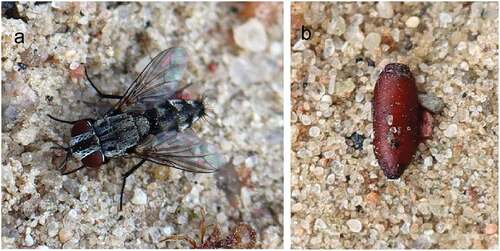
206, 111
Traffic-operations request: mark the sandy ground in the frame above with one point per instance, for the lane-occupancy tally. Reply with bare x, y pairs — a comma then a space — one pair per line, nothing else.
240, 74
447, 198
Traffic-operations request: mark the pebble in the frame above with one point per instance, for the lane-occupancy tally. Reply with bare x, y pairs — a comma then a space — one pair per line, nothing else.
451, 131
168, 230
336, 26
65, 235
344, 89
251, 35
440, 227
354, 35
314, 131
491, 229
320, 224
428, 161
305, 119
246, 197
330, 180
357, 140
354, 225
300, 45
385, 10
332, 84
182, 219
251, 161
26, 136
318, 171
118, 231
431, 102
72, 214
372, 41
445, 19
373, 198
412, 22
140, 197
329, 48
476, 9
359, 97
52, 229
74, 65
28, 240
326, 99
464, 66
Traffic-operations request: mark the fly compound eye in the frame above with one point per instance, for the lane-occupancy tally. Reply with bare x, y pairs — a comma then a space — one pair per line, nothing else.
94, 160
81, 126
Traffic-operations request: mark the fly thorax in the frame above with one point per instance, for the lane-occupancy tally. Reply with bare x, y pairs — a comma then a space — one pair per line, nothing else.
118, 133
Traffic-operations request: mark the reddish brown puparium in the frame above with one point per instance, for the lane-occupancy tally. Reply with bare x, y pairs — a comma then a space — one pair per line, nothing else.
397, 119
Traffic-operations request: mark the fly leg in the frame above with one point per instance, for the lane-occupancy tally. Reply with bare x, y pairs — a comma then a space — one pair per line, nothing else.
124, 179
61, 120
102, 95
71, 171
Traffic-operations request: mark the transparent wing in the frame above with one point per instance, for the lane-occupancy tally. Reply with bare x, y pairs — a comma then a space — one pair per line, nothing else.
157, 82
181, 150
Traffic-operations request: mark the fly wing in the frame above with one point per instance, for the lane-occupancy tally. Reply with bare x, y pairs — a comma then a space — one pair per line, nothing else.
157, 82
181, 150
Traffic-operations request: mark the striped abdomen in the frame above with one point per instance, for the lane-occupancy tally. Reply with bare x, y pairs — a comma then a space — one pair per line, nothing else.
174, 114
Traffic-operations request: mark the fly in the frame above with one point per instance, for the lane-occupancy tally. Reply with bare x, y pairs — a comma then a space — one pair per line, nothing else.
150, 122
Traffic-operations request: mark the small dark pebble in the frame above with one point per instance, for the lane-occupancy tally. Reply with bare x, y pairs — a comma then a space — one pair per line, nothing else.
41, 2
464, 94
408, 44
357, 140
359, 59
114, 5
49, 98
348, 178
359, 208
370, 62
473, 36
9, 10
22, 66
233, 9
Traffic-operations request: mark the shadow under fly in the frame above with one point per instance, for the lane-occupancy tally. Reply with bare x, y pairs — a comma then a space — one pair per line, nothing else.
150, 122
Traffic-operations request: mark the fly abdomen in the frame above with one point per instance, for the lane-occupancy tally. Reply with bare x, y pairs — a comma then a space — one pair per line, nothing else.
175, 114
